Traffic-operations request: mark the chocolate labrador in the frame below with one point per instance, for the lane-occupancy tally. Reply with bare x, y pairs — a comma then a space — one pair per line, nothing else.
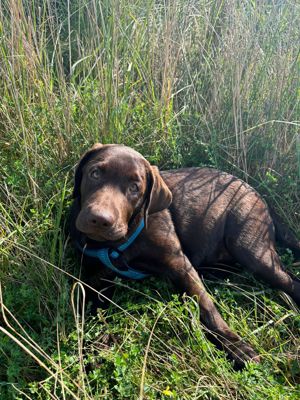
132, 221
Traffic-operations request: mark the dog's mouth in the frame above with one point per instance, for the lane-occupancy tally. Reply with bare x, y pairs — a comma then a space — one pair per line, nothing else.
112, 235
101, 235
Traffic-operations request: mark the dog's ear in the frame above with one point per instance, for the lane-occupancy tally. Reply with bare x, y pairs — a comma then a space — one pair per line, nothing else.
160, 196
78, 172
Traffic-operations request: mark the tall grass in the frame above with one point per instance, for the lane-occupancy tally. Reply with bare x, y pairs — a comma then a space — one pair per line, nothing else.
186, 83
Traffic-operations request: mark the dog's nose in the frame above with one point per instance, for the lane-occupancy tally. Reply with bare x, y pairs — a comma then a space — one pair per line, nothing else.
101, 219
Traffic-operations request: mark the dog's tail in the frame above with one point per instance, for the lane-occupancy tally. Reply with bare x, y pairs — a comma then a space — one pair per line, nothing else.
284, 234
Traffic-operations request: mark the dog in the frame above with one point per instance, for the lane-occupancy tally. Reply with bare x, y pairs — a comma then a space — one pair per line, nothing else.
130, 220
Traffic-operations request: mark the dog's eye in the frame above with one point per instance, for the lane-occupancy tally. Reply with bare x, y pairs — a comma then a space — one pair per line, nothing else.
95, 173
134, 188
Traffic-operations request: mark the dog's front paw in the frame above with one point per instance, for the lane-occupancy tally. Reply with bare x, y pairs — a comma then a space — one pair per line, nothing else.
240, 352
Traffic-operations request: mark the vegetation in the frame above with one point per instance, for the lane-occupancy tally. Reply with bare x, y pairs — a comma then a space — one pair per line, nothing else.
185, 82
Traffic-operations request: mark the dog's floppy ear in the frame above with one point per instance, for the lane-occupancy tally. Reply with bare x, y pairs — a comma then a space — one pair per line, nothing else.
160, 196
78, 172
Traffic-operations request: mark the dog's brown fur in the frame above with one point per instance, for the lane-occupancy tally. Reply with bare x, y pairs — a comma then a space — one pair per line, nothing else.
194, 217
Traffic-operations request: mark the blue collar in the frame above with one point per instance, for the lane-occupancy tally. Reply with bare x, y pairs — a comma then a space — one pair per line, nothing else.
106, 254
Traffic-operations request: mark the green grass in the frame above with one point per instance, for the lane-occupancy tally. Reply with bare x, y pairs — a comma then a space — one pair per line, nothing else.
186, 83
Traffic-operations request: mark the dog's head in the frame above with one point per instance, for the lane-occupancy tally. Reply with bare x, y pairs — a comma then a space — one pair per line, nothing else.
112, 184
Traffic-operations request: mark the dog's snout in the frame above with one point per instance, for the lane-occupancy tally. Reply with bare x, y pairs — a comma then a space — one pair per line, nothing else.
100, 223
101, 219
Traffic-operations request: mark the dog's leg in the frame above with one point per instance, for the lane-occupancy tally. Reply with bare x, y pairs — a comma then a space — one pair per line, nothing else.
262, 259
99, 289
250, 239
185, 277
